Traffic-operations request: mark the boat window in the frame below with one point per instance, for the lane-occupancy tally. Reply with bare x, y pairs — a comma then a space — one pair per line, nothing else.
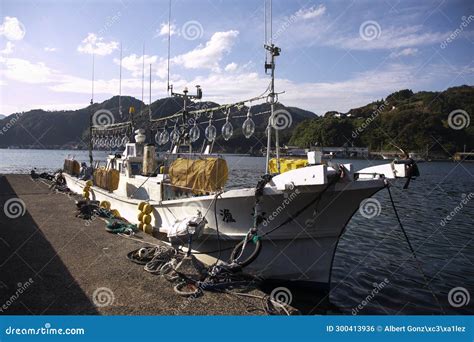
131, 151
135, 168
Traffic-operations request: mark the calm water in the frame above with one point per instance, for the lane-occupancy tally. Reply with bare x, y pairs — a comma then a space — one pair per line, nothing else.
371, 250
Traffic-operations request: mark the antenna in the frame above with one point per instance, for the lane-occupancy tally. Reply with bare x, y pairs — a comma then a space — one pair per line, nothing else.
143, 73
169, 47
93, 66
120, 82
91, 159
149, 106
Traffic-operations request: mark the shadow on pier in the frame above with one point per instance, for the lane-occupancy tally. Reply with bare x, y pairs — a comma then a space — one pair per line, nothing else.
33, 278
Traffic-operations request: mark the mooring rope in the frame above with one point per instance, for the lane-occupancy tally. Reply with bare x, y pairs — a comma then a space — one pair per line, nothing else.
418, 264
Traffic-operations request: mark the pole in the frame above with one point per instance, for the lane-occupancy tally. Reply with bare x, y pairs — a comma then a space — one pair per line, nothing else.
143, 73
149, 106
91, 159
120, 83
169, 46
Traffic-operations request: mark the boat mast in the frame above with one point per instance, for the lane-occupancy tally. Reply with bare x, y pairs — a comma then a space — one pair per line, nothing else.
274, 52
91, 160
169, 87
143, 74
120, 83
149, 106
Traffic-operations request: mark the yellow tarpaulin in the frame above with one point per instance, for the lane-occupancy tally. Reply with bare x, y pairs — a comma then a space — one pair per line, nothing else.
200, 175
286, 164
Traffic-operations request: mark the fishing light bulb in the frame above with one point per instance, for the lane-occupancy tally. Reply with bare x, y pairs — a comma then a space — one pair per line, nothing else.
194, 133
227, 129
118, 141
157, 137
125, 141
210, 132
248, 127
164, 137
174, 135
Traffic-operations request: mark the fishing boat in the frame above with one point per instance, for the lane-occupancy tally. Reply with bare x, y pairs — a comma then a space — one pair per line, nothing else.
286, 227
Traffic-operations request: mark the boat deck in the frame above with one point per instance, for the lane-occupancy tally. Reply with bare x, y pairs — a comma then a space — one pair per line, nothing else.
69, 261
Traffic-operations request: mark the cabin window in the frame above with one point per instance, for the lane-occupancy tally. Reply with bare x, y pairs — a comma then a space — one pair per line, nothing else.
131, 151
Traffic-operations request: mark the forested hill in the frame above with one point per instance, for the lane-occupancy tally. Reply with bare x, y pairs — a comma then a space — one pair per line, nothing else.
69, 129
415, 121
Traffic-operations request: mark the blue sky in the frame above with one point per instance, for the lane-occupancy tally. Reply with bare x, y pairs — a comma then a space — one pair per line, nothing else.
336, 55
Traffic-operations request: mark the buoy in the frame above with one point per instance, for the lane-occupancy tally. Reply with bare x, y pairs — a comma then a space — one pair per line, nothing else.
89, 183
115, 212
140, 216
141, 206
105, 204
146, 219
147, 228
140, 226
147, 209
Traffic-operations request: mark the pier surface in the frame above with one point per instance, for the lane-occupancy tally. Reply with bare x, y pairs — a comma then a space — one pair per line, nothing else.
52, 263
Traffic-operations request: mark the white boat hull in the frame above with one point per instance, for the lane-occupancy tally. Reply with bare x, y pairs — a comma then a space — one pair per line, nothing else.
300, 250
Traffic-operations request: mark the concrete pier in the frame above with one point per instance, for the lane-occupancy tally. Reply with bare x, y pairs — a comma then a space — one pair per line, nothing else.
52, 263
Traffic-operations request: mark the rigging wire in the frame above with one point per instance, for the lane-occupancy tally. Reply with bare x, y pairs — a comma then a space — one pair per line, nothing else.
120, 82
412, 250
143, 74
169, 45
93, 72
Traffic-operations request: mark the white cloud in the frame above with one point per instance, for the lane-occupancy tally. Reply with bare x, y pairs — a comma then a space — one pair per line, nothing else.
8, 49
134, 63
25, 71
404, 52
311, 12
50, 49
209, 55
164, 29
93, 44
231, 67
389, 38
12, 28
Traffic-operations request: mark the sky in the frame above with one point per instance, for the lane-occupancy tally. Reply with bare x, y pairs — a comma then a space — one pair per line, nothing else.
336, 55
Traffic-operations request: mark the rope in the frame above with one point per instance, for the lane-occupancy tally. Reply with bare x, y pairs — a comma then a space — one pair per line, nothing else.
418, 264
